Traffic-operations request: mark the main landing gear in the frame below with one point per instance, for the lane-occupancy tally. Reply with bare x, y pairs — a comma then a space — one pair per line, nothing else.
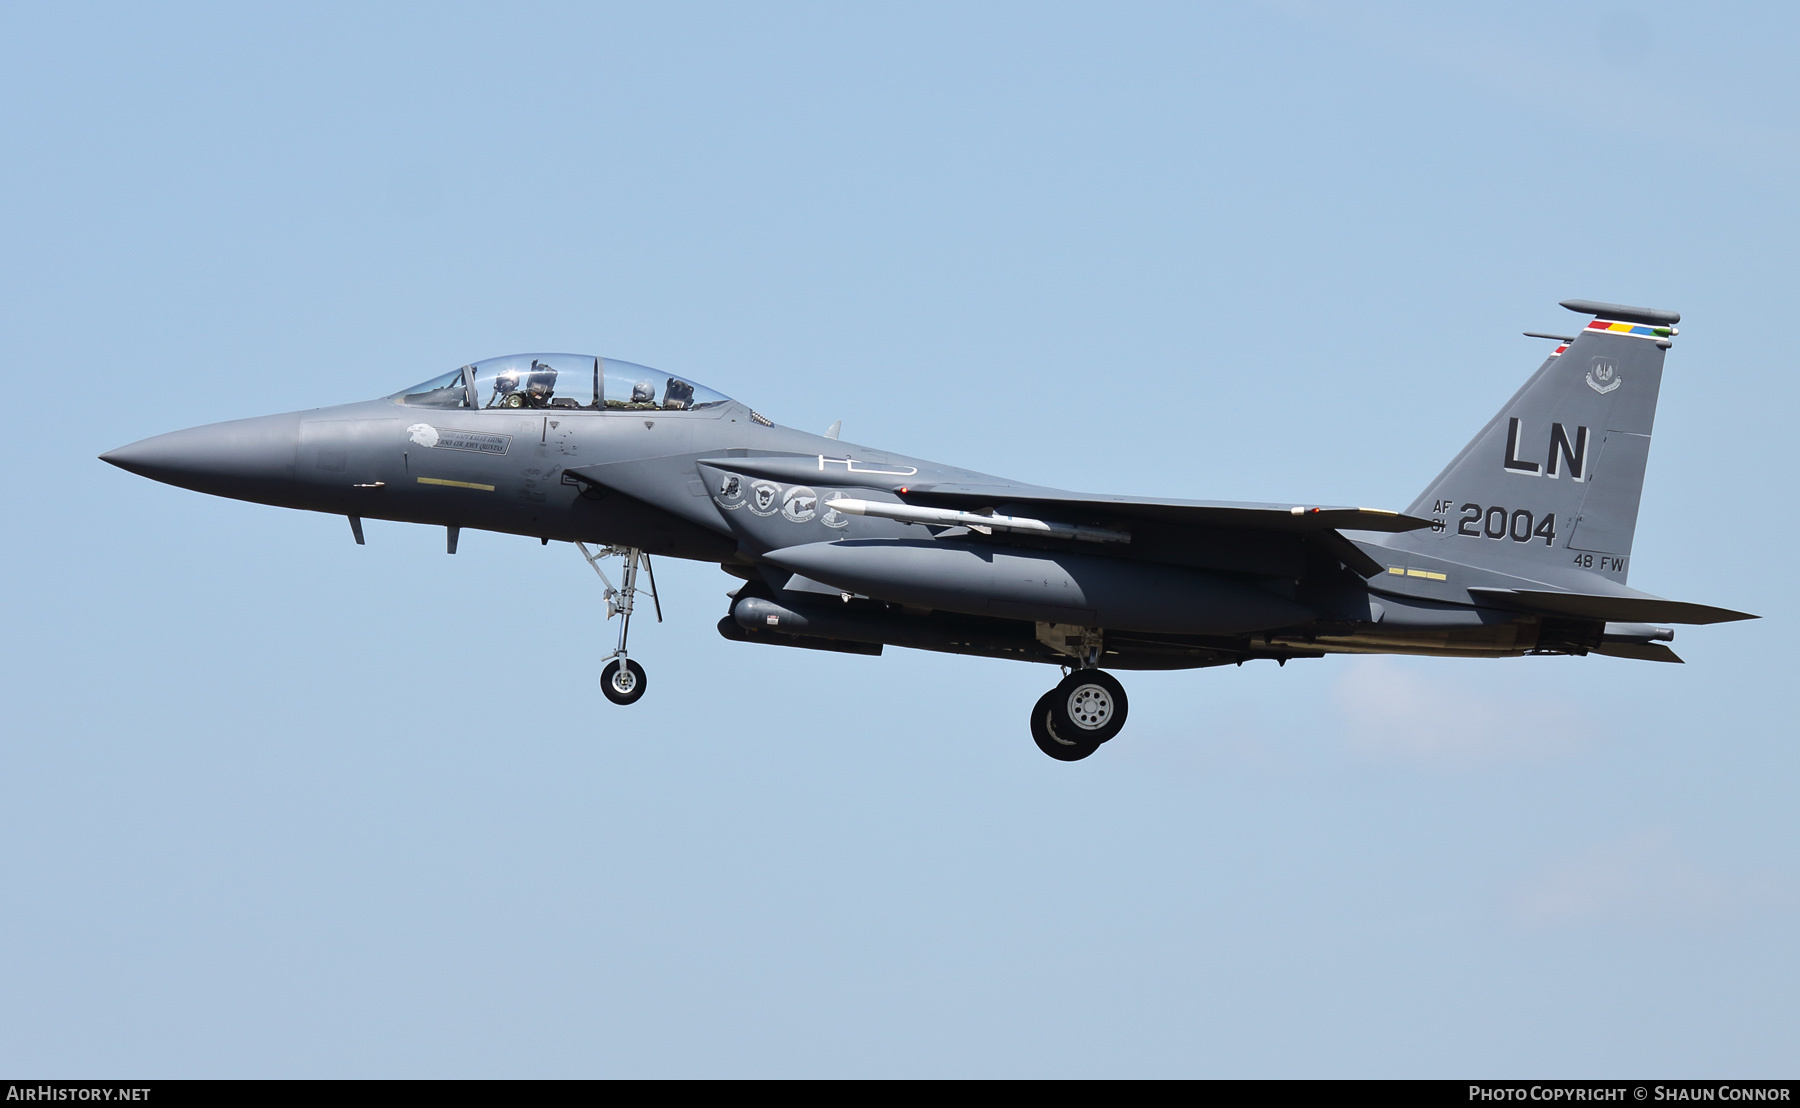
1071, 721
623, 680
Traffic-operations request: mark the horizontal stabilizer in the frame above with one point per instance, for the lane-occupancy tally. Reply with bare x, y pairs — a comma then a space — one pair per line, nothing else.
1639, 608
1640, 651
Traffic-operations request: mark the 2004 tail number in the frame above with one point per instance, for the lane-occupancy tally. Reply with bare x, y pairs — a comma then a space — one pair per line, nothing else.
1496, 522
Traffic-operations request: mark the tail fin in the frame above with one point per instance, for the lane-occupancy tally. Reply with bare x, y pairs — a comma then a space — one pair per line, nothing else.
1554, 479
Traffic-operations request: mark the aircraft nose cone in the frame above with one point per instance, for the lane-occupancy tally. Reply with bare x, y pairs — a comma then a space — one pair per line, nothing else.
249, 459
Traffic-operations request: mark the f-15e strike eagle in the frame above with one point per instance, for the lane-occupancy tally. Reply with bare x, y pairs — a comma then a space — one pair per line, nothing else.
1520, 546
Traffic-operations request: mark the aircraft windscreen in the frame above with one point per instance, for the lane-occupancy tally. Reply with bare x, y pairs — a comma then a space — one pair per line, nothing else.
439, 392
578, 382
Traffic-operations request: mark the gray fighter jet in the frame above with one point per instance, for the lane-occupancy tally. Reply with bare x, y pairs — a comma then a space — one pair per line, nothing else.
1520, 546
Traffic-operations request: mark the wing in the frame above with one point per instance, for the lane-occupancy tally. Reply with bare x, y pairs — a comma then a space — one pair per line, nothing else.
1289, 518
1223, 524
1219, 534
904, 481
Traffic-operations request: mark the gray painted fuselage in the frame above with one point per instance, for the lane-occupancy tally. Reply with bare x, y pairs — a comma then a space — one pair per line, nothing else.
634, 479
1521, 552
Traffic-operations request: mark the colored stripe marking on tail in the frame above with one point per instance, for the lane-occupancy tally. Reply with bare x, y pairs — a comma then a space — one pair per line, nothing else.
1617, 328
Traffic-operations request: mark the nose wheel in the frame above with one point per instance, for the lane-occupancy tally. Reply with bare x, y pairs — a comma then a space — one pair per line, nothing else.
1071, 721
622, 680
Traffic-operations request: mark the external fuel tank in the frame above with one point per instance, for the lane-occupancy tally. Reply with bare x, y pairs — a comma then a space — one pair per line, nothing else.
1043, 585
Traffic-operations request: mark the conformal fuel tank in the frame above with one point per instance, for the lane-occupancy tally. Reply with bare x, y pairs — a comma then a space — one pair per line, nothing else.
1041, 585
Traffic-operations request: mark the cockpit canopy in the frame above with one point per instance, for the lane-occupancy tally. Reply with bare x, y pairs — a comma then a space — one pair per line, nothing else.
579, 382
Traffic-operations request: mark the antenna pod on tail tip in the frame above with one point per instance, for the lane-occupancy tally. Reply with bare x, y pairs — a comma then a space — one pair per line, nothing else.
1623, 311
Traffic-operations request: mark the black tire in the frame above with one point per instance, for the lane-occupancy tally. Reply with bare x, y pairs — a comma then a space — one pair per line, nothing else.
1049, 741
1089, 704
623, 685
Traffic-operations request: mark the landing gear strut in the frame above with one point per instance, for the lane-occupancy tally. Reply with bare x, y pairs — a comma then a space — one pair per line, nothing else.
623, 680
1071, 721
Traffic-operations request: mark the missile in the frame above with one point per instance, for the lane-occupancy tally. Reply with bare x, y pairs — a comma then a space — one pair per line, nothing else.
975, 521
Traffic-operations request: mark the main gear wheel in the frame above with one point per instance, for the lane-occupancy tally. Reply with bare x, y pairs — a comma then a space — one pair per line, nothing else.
1089, 705
1050, 741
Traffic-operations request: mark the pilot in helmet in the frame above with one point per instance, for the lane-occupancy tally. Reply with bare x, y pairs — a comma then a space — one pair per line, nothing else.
540, 383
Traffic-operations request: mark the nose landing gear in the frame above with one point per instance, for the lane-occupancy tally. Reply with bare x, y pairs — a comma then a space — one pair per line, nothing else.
1071, 721
623, 680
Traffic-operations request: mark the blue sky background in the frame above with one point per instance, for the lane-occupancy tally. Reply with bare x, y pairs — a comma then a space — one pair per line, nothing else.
278, 805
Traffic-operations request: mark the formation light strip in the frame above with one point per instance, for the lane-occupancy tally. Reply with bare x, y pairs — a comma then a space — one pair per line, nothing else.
455, 484
1399, 571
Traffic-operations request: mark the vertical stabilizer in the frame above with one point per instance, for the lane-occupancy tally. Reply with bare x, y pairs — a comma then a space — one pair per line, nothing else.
1554, 479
